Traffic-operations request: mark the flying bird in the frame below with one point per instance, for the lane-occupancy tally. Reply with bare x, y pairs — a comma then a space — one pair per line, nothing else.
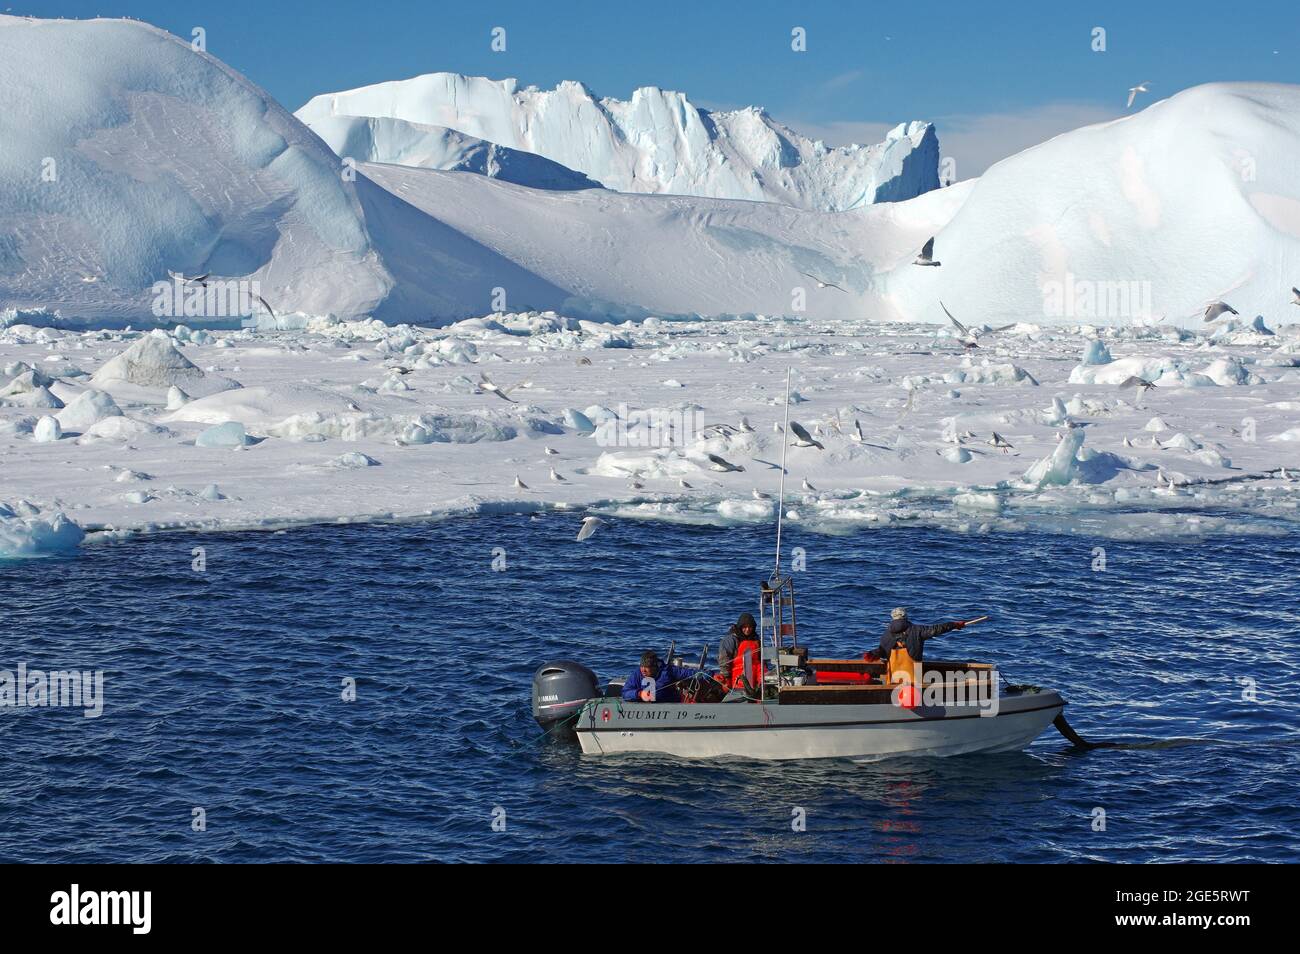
1134, 90
589, 525
197, 280
721, 465
485, 385
1000, 442
927, 255
1216, 308
822, 284
967, 337
1133, 381
803, 438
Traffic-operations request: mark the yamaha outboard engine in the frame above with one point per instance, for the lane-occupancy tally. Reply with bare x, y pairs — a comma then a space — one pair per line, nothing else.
559, 690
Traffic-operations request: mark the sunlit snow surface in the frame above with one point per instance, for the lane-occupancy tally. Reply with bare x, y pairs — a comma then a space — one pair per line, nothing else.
334, 430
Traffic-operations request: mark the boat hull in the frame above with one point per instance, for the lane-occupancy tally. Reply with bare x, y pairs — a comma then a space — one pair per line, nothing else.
773, 731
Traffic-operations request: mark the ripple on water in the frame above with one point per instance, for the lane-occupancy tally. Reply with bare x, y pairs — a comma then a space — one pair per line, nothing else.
223, 692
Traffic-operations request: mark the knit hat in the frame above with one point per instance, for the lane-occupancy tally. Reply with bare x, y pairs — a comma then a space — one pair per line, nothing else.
900, 612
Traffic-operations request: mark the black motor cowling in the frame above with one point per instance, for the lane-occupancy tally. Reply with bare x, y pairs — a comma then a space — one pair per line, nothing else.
559, 690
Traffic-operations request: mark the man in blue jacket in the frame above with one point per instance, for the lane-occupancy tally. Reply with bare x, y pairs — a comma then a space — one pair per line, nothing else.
902, 633
655, 681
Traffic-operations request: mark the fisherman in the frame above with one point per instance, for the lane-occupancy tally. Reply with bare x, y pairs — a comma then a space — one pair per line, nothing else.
655, 681
742, 631
903, 645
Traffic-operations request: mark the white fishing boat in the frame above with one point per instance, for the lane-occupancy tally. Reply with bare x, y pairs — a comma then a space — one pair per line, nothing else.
780, 703
803, 707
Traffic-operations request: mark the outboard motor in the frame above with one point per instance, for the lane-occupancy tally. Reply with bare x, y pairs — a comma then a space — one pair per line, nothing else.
559, 690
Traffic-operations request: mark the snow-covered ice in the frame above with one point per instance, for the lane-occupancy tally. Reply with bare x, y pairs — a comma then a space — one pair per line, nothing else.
312, 435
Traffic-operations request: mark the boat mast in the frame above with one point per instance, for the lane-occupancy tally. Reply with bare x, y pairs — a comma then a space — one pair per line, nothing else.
780, 500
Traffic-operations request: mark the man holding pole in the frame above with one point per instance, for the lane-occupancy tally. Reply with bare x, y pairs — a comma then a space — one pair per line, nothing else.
903, 644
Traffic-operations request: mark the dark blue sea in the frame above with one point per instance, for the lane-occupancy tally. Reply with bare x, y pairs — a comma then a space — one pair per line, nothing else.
223, 694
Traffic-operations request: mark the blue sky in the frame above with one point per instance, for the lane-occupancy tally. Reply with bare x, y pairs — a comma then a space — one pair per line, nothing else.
994, 80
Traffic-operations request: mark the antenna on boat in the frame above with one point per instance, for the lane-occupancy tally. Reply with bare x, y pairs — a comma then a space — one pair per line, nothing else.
780, 500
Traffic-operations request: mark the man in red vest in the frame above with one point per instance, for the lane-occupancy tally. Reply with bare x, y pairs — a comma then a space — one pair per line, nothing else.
741, 639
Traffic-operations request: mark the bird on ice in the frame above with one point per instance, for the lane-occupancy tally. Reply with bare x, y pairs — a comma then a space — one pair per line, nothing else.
519, 484
759, 495
822, 284
550, 451
927, 255
589, 525
808, 486
1216, 308
1134, 90
558, 478
683, 484
1000, 442
745, 426
1295, 292
857, 436
722, 465
485, 385
803, 438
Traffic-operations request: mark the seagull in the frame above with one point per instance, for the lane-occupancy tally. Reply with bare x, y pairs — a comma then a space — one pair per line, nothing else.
589, 525
1134, 90
519, 484
1133, 381
721, 465
352, 406
967, 336
808, 486
584, 361
759, 495
857, 436
745, 426
803, 438
776, 427
635, 482
927, 255
1000, 442
1296, 293
198, 280
683, 484
486, 385
558, 478
1282, 474
550, 451
822, 284
1127, 442
1216, 308
269, 310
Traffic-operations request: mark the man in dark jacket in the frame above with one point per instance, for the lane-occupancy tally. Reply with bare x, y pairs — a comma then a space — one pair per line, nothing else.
913, 637
744, 629
655, 681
